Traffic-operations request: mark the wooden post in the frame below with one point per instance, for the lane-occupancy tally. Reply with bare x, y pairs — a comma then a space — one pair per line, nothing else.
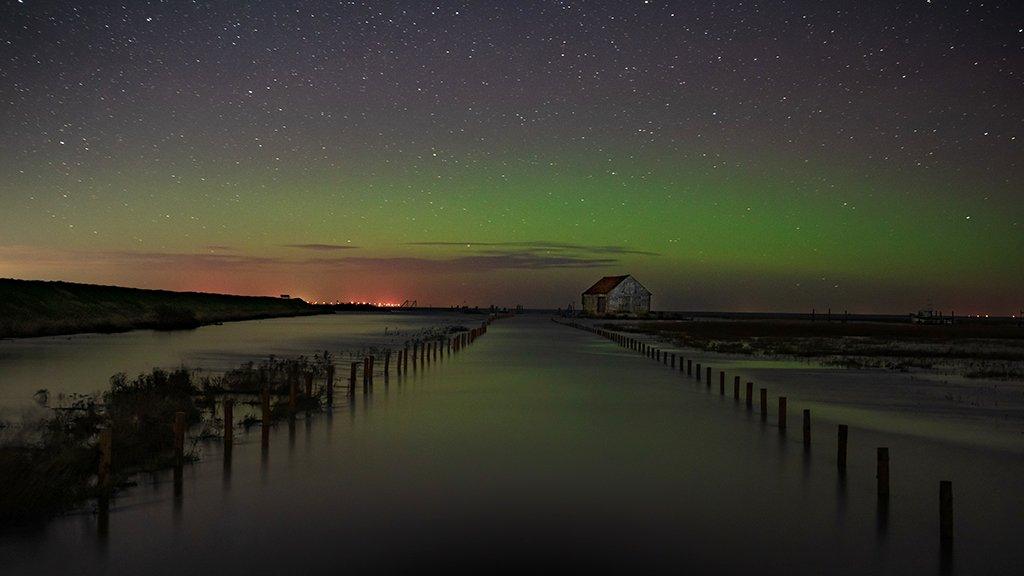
179, 438
265, 410
229, 423
841, 448
782, 412
387, 363
370, 361
697, 376
946, 514
293, 392
750, 394
689, 367
807, 428
721, 383
708, 377
352, 378
764, 403
883, 472
106, 449
736, 388
330, 385
309, 385
673, 361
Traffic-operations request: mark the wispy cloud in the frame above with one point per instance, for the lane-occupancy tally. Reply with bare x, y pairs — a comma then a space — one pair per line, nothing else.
541, 245
23, 258
322, 247
517, 260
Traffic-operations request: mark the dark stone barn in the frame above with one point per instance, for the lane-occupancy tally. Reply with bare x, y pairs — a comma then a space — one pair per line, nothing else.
613, 295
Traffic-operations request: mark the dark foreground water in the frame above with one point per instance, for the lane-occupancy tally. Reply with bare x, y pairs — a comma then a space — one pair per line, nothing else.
541, 448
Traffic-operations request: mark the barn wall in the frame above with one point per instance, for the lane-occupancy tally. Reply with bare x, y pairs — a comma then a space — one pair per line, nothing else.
629, 297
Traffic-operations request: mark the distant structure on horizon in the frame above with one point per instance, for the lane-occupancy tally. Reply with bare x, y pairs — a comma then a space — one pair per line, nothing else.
615, 295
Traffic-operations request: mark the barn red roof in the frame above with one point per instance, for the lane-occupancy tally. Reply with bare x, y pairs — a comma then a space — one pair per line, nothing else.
606, 284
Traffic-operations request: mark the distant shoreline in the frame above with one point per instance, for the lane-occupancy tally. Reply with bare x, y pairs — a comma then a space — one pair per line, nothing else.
103, 330
32, 309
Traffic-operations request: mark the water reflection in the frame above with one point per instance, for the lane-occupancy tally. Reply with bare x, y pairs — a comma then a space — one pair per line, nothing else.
546, 447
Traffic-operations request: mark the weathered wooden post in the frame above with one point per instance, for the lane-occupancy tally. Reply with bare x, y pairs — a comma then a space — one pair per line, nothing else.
689, 367
721, 383
841, 448
369, 378
265, 413
352, 378
764, 403
179, 439
750, 394
229, 423
387, 363
807, 428
708, 377
946, 514
309, 384
673, 361
330, 385
883, 472
106, 442
782, 412
293, 392
415, 347
697, 376
736, 388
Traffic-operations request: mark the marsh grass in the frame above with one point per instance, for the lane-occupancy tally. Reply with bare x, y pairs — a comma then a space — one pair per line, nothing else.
50, 467
971, 350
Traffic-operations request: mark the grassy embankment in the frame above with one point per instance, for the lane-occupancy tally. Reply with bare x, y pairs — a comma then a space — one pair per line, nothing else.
978, 350
36, 308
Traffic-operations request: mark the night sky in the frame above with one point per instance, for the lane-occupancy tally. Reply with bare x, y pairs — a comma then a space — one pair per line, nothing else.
731, 155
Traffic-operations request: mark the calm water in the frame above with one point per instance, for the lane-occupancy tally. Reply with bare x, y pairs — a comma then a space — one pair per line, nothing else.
538, 448
84, 363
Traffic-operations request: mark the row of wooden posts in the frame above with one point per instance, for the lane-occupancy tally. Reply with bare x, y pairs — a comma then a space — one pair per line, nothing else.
423, 353
689, 368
